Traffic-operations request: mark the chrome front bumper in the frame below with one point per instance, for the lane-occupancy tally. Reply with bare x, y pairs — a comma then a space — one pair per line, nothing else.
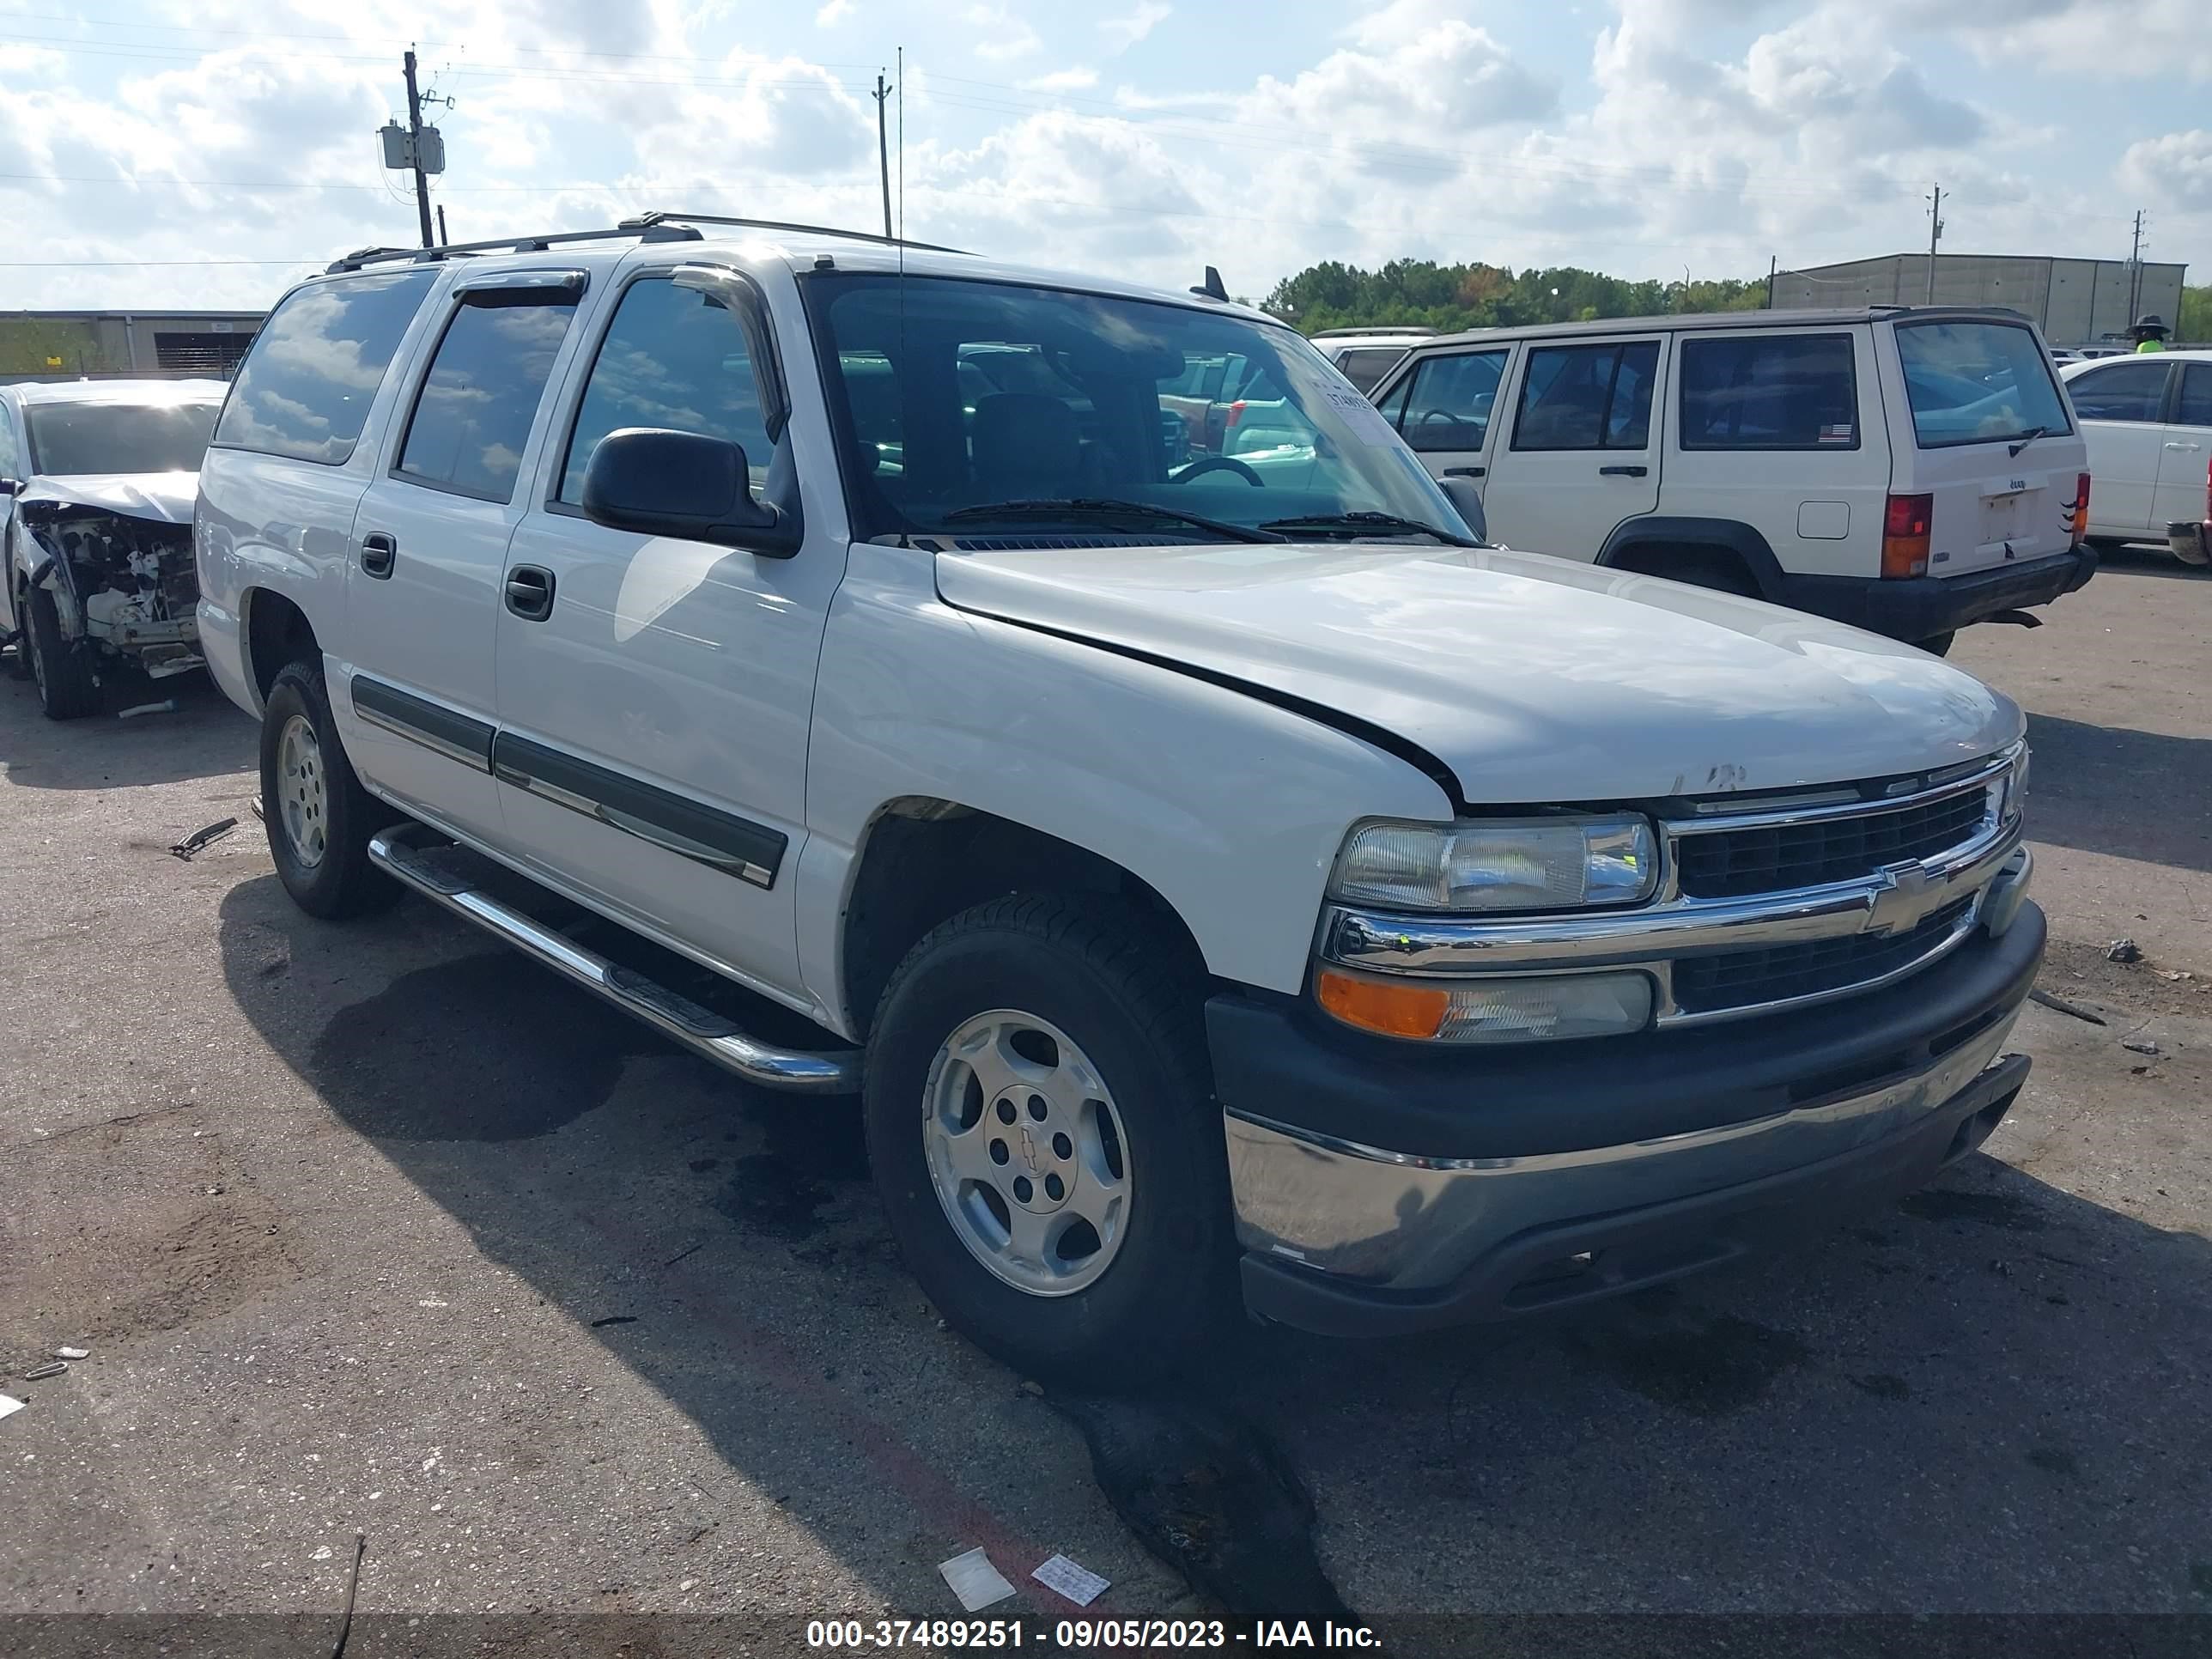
1403, 1224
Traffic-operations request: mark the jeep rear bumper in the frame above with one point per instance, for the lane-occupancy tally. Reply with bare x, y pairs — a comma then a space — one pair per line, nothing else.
1924, 606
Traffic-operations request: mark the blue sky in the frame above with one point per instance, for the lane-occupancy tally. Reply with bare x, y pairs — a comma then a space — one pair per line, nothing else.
164, 154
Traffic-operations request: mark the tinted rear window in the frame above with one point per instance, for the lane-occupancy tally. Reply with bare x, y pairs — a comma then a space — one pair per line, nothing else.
1976, 383
478, 401
1769, 392
305, 388
69, 440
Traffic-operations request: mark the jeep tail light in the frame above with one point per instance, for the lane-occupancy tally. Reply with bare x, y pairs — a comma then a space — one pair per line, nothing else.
1235, 413
1904, 534
2081, 508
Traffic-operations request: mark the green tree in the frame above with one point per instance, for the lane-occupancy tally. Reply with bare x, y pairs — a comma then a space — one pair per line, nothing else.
1332, 295
2194, 324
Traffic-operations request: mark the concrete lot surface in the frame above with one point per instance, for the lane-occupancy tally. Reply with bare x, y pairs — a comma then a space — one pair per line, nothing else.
376, 1229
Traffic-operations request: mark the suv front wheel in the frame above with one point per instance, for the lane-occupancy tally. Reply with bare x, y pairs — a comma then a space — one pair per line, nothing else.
1041, 1130
319, 817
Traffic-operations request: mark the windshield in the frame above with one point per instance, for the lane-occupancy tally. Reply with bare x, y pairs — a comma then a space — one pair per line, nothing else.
69, 440
952, 396
1976, 383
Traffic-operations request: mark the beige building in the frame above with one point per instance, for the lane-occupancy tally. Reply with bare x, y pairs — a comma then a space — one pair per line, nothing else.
2075, 303
112, 344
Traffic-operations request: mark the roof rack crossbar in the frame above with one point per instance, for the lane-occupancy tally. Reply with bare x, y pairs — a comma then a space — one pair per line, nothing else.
649, 229
677, 218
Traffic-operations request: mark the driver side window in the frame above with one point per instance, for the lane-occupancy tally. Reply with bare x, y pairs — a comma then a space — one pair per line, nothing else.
1450, 398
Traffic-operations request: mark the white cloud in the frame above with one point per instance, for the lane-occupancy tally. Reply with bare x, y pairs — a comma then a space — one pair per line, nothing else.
1004, 34
836, 12
1124, 32
1067, 79
2175, 168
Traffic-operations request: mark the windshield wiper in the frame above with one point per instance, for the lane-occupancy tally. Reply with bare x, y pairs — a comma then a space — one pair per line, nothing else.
1368, 522
2027, 438
1098, 510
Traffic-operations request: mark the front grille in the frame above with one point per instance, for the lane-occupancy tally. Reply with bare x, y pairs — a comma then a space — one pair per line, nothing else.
1743, 979
1736, 863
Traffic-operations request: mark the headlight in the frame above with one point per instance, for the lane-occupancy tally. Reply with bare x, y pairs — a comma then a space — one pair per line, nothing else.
1526, 1008
1499, 863
2016, 784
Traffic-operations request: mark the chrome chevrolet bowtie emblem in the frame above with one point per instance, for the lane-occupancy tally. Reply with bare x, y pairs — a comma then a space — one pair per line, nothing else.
1029, 1152
1901, 900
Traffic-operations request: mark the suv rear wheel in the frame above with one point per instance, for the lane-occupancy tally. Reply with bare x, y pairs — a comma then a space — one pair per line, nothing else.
318, 816
1042, 1133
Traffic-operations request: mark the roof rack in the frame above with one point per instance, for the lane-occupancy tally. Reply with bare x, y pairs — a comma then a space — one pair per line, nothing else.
1379, 328
645, 227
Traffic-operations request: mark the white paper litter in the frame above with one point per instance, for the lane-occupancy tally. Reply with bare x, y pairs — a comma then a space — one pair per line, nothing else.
9, 1407
71, 1353
975, 1580
1079, 1584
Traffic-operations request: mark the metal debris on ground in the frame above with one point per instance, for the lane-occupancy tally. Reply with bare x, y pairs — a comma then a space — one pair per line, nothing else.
2124, 950
72, 1353
975, 1580
9, 1408
1079, 1584
38, 1373
254, 806
2064, 1007
201, 838
167, 706
2139, 1046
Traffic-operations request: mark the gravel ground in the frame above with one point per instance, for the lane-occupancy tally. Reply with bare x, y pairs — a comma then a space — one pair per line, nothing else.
377, 1229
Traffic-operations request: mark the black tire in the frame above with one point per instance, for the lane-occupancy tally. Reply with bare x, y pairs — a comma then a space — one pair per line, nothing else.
1121, 994
342, 882
1939, 645
68, 689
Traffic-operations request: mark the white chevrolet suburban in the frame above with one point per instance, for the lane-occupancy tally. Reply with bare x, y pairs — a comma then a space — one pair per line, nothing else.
1904, 469
1216, 879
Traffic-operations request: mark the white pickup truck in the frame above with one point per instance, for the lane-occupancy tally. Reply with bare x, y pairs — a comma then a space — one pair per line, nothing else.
1216, 883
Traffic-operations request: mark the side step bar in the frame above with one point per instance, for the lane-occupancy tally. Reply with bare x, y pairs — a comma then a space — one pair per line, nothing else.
408, 853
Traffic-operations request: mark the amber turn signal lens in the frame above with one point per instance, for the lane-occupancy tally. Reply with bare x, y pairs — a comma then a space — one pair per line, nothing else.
1409, 1010
1905, 534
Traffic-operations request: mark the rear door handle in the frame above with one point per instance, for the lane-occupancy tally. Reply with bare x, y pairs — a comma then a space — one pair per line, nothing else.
530, 592
378, 551
1622, 471
2187, 448
1465, 471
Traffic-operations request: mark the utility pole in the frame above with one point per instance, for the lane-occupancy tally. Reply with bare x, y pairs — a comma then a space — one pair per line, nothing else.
1772, 260
415, 132
2135, 273
883, 153
444, 239
1935, 235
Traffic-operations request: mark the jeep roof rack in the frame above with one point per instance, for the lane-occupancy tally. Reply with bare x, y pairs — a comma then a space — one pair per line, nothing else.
657, 227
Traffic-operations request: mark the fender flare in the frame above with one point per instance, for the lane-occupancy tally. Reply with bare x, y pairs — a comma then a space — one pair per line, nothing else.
1730, 534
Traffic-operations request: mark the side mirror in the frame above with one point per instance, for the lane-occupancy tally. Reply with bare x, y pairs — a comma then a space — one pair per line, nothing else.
1463, 494
659, 483
9, 486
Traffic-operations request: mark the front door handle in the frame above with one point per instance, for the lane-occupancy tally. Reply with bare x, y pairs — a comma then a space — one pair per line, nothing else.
378, 551
530, 592
1465, 471
2189, 449
1622, 471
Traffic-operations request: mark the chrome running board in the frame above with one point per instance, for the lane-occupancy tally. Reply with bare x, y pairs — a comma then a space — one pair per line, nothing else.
408, 853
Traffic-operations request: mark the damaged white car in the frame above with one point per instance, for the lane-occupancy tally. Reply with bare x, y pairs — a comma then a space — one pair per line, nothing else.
97, 482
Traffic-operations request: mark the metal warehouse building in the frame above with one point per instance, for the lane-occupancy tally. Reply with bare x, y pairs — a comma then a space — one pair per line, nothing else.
2074, 302
105, 345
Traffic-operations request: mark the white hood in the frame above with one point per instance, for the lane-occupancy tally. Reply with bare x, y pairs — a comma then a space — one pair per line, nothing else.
1536, 679
163, 497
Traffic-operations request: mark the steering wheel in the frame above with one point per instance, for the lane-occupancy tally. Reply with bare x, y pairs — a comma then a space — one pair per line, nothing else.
1221, 463
1438, 417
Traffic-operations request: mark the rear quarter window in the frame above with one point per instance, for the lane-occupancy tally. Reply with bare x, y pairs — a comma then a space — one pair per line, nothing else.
305, 388
1972, 382
1770, 392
